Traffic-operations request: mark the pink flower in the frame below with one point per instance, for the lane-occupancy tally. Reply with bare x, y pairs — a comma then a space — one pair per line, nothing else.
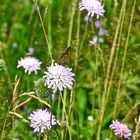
59, 77
41, 120
30, 64
121, 129
93, 7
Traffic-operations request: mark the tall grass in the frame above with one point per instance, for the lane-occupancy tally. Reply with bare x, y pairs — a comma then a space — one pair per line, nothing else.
107, 74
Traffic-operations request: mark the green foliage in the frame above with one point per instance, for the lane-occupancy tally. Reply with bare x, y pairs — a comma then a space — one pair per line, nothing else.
93, 94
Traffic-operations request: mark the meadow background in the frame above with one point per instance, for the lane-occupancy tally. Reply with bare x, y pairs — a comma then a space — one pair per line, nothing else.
107, 73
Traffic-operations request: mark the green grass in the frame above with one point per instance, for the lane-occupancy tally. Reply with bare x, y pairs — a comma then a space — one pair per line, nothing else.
107, 75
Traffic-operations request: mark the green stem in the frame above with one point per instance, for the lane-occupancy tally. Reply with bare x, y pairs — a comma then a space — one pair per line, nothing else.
115, 6
6, 116
130, 112
115, 64
116, 58
42, 24
71, 22
123, 61
77, 42
49, 24
84, 36
103, 104
64, 114
74, 2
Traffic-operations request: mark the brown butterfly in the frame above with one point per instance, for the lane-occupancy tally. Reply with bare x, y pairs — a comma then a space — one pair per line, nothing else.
64, 58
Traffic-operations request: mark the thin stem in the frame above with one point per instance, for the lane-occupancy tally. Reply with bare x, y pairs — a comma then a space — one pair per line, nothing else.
116, 58
42, 24
49, 24
6, 117
115, 64
115, 6
33, 31
129, 113
84, 36
71, 22
137, 130
107, 75
77, 41
68, 44
123, 61
72, 93
64, 114
14, 100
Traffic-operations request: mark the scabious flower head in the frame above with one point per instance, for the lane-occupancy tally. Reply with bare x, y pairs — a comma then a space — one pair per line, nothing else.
121, 129
41, 120
93, 7
30, 64
40, 88
58, 77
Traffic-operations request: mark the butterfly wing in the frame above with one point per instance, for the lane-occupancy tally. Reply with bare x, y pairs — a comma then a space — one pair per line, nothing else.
64, 58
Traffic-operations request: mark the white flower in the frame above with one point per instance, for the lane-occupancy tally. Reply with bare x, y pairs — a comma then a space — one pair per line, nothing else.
58, 77
41, 120
30, 64
90, 118
93, 7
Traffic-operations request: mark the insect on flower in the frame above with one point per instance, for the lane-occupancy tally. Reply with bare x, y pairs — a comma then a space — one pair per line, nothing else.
64, 58
58, 76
